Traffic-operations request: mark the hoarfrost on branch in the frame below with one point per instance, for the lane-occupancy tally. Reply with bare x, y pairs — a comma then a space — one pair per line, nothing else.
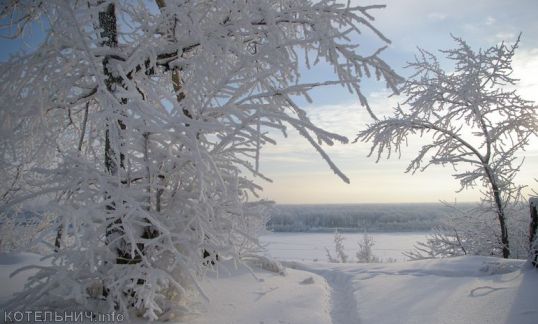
133, 126
476, 121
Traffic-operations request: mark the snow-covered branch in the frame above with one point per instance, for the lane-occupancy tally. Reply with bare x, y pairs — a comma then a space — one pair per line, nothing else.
135, 125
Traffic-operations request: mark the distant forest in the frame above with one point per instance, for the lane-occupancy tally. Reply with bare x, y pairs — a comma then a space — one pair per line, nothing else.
359, 217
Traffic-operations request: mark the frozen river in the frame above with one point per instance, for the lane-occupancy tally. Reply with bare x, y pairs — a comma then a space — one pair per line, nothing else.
311, 246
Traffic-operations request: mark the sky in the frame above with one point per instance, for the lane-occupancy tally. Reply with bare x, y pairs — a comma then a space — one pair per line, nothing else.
300, 176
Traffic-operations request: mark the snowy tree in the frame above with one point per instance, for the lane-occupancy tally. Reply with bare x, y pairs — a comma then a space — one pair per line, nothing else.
476, 121
139, 124
467, 231
365, 253
340, 254
464, 231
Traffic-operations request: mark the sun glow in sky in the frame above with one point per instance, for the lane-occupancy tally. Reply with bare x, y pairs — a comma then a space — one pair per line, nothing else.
300, 176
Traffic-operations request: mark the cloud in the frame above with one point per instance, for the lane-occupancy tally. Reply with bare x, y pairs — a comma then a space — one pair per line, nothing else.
348, 117
436, 16
525, 65
505, 36
295, 155
490, 21
344, 119
409, 23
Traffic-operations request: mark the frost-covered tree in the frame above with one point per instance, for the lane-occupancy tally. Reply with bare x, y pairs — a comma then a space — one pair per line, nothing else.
467, 231
340, 255
365, 253
136, 124
477, 122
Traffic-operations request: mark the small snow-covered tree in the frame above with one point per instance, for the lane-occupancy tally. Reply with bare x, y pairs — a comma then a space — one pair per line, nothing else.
135, 124
475, 120
365, 253
340, 254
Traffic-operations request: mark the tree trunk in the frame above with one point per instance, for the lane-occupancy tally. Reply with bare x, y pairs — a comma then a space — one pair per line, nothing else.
500, 212
108, 25
502, 222
58, 240
533, 228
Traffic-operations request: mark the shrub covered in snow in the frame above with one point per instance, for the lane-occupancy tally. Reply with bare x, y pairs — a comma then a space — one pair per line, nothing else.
365, 253
339, 254
472, 232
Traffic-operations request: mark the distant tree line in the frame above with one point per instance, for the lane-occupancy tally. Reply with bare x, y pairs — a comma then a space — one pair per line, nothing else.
358, 218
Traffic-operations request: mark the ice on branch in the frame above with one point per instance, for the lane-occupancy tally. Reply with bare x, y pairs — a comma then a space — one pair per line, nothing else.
135, 125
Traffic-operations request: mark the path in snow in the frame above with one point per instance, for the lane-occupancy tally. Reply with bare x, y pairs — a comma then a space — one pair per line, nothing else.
343, 303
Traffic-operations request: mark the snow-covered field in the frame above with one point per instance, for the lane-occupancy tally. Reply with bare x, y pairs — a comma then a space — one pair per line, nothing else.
463, 290
311, 246
458, 290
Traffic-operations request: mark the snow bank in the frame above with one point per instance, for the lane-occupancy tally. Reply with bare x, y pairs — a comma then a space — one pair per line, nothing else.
239, 298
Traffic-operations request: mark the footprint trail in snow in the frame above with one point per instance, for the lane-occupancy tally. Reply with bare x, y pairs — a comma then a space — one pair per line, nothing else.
343, 303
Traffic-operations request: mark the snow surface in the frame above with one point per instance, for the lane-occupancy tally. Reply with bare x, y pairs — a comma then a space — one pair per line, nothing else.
462, 290
466, 289
238, 298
